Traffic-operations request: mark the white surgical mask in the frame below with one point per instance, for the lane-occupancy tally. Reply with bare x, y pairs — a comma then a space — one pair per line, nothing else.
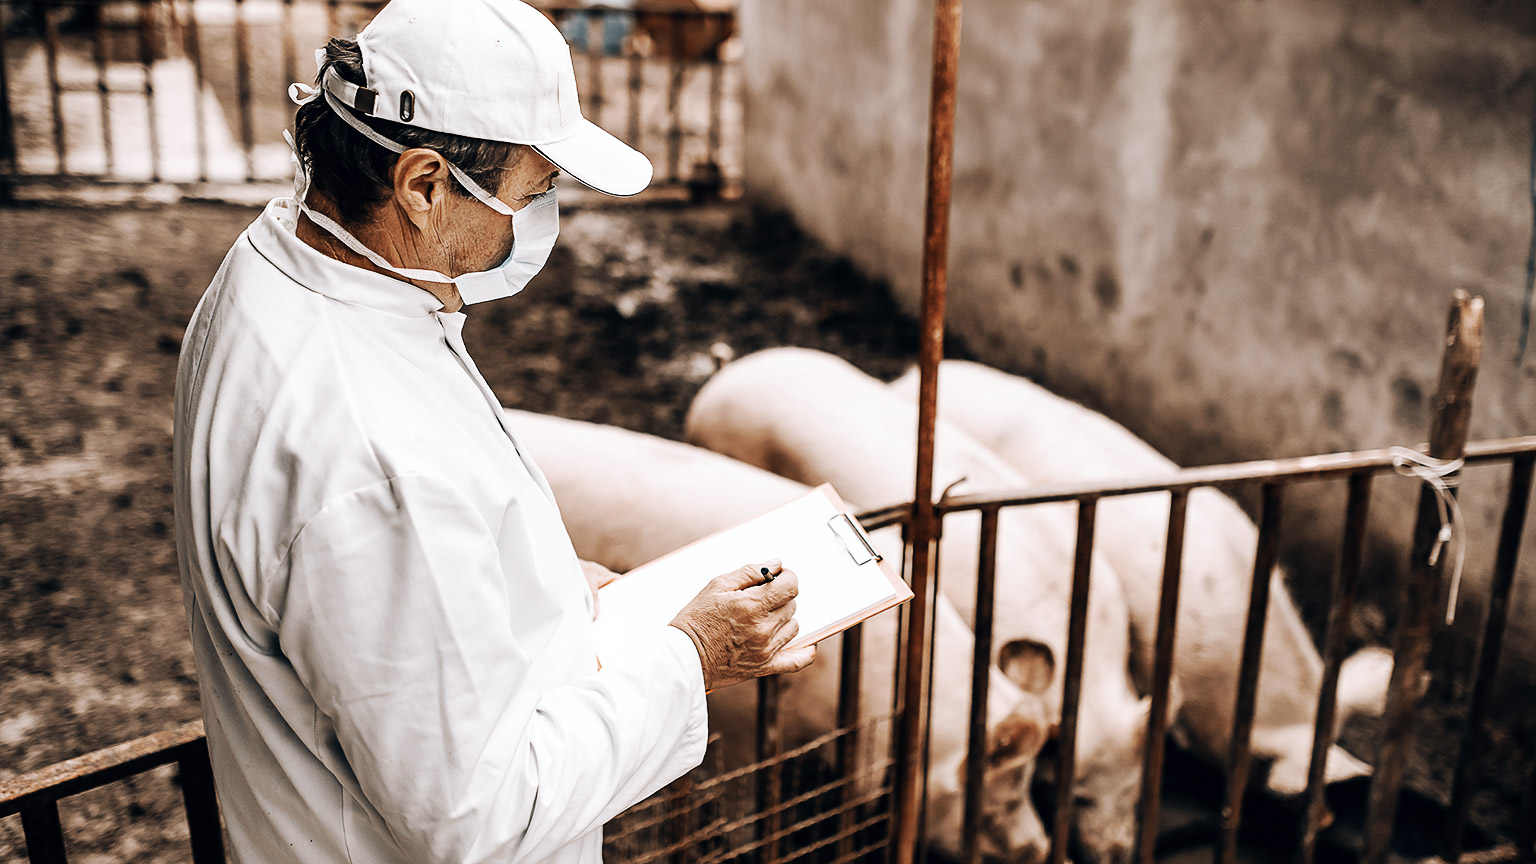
534, 227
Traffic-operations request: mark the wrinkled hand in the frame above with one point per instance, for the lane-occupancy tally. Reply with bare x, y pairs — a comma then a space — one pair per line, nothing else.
740, 624
597, 576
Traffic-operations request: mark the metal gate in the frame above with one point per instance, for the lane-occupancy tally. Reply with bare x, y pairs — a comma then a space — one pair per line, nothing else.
809, 803
189, 97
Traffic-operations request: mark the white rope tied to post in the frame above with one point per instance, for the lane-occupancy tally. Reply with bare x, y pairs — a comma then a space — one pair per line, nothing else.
1442, 477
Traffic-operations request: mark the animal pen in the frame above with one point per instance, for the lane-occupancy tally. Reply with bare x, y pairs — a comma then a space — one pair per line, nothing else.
806, 803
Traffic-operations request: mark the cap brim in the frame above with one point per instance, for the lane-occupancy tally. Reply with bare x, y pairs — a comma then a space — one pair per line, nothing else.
596, 158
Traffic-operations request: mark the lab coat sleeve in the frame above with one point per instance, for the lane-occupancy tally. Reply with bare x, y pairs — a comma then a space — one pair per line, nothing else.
395, 619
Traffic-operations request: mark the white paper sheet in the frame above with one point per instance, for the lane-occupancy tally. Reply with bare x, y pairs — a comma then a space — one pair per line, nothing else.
833, 586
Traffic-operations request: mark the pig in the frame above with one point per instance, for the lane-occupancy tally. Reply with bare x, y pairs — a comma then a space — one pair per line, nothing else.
627, 498
1052, 440
814, 418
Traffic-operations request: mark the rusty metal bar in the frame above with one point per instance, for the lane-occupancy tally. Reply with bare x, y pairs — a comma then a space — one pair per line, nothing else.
103, 92
1328, 466
981, 665
884, 517
243, 89
930, 637
1072, 682
595, 97
1526, 844
43, 834
1506, 558
849, 690
1162, 675
97, 768
769, 791
1417, 625
716, 99
290, 51
903, 636
913, 733
1239, 755
51, 52
1346, 581
202, 805
675, 71
147, 60
680, 813
195, 54
636, 81
7, 125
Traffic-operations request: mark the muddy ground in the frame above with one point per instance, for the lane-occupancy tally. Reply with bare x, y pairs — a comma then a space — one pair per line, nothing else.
621, 328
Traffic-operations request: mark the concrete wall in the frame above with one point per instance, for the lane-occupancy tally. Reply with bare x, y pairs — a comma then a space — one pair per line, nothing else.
1233, 225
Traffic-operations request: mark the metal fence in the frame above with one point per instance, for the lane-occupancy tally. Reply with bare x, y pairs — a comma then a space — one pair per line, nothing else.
821, 803
191, 94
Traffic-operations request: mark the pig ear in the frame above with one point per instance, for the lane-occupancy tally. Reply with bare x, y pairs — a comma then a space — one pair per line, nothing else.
1028, 663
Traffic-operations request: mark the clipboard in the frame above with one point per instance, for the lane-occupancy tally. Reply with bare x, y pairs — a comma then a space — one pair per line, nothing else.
843, 578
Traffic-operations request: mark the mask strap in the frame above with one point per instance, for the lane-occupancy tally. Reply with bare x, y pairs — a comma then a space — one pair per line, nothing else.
345, 236
336, 89
301, 191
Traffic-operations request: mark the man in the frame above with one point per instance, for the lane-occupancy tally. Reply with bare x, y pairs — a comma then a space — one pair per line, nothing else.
393, 635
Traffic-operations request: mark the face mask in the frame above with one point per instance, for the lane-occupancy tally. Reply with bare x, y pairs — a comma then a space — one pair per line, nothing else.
534, 228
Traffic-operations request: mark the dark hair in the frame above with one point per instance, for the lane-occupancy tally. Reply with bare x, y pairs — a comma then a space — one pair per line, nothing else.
352, 172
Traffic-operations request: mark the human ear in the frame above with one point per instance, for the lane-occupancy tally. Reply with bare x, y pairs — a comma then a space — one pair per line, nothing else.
421, 183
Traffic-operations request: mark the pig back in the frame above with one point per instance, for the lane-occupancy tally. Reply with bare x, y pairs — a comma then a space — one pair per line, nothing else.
627, 497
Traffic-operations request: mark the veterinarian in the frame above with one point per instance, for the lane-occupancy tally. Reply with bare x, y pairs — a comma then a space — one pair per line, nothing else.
394, 637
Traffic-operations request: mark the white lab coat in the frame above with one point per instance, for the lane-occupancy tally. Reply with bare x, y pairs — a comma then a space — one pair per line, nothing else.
393, 635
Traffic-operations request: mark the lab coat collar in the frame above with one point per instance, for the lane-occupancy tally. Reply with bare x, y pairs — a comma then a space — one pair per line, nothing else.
273, 235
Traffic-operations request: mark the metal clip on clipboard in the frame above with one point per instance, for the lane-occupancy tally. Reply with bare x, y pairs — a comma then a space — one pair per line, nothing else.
854, 539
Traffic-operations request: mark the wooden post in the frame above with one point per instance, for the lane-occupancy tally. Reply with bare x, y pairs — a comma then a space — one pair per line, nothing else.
1421, 611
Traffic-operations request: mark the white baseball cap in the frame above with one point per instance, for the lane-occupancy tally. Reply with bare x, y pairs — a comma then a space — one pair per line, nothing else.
492, 69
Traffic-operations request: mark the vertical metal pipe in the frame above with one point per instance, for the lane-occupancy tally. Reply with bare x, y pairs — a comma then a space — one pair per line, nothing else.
681, 809
930, 636
197, 795
1072, 683
716, 74
1525, 845
195, 54
981, 665
1340, 612
912, 734
51, 51
769, 745
674, 99
103, 92
243, 89
43, 834
290, 50
1238, 754
7, 126
636, 82
903, 636
595, 65
147, 61
1492, 644
1417, 624
849, 691
1162, 675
